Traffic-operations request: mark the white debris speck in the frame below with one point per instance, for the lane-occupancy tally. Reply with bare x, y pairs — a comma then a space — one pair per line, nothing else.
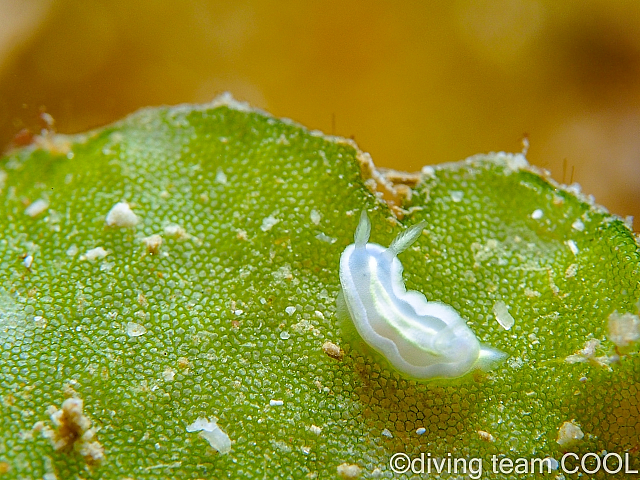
571, 271
36, 208
421, 431
72, 251
387, 433
284, 335
537, 214
326, 238
332, 350
210, 431
95, 254
238, 312
135, 329
221, 177
152, 243
290, 310
348, 471
315, 429
276, 403
588, 355
176, 231
501, 311
624, 329
268, 223
169, 374
121, 215
569, 433
315, 217
456, 195
572, 246
578, 225
28, 261
486, 436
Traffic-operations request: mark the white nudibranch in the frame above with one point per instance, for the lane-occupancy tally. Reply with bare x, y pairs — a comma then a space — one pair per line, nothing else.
420, 339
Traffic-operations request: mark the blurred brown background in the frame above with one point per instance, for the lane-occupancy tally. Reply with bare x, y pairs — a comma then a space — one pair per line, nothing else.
413, 82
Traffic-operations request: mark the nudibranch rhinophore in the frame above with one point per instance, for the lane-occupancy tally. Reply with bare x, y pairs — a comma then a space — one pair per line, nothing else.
420, 339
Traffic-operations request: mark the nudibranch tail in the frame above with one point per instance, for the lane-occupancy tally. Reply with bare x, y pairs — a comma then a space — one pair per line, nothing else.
422, 340
406, 238
363, 230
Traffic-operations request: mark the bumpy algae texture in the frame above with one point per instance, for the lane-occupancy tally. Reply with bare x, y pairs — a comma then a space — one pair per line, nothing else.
217, 302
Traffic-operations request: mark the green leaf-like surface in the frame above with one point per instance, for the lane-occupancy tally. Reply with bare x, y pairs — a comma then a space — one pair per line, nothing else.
237, 308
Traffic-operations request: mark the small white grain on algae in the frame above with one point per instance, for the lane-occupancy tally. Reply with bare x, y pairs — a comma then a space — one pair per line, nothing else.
268, 223
135, 329
121, 216
332, 350
573, 246
537, 214
315, 217
348, 471
624, 330
210, 431
578, 225
569, 433
501, 311
152, 243
36, 208
177, 232
94, 254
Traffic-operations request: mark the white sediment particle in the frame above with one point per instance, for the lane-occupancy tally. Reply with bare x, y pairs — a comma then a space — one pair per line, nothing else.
315, 217
387, 433
456, 195
624, 329
36, 208
176, 231
72, 251
95, 254
421, 431
268, 223
572, 246
290, 310
326, 238
348, 471
121, 216
152, 243
315, 429
284, 335
571, 271
569, 433
221, 177
588, 355
537, 214
276, 403
28, 261
210, 431
135, 329
486, 436
332, 350
578, 225
504, 318
169, 374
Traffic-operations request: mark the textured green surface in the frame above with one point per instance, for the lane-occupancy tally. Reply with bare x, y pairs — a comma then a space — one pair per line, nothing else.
213, 305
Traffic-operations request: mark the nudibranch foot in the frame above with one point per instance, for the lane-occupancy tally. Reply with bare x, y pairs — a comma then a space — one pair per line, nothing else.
420, 339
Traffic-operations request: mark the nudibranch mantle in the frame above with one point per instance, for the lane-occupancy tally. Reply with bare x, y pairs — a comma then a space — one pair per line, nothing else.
420, 339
